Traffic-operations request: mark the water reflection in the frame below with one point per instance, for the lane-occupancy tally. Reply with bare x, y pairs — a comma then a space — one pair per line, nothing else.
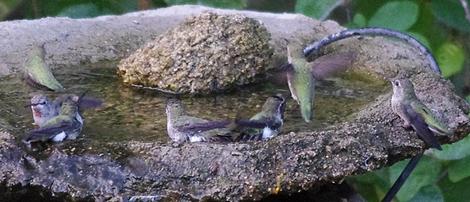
136, 114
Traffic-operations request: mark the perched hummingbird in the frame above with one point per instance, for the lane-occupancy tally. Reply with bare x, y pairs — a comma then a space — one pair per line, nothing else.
415, 114
265, 124
38, 73
66, 125
182, 127
301, 74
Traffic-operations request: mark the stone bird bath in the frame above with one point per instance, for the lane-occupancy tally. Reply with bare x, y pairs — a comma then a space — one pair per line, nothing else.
369, 138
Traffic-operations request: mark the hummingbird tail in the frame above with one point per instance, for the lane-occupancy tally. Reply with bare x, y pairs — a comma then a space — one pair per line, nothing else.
422, 128
201, 127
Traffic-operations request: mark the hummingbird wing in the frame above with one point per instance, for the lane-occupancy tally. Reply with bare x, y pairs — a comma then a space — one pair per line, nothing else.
202, 130
278, 76
433, 124
87, 102
53, 127
419, 124
38, 73
328, 65
205, 126
256, 123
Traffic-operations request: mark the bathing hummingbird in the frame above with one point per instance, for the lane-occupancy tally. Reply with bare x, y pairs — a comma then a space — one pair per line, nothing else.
44, 109
66, 125
301, 75
265, 124
182, 127
37, 73
415, 114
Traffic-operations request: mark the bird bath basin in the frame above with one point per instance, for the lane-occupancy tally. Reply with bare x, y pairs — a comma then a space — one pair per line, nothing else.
133, 114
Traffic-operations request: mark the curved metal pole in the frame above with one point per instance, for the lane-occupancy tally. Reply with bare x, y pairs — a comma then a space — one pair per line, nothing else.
373, 31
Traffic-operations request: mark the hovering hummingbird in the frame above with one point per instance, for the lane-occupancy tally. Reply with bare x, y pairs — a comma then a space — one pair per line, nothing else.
66, 125
415, 114
38, 73
301, 74
265, 124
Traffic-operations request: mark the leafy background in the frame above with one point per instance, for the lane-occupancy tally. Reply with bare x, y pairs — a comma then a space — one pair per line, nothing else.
439, 24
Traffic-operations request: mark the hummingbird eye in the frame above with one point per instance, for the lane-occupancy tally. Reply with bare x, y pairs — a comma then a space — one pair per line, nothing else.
397, 83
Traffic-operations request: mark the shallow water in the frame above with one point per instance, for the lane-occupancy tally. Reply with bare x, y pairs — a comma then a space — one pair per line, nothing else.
136, 114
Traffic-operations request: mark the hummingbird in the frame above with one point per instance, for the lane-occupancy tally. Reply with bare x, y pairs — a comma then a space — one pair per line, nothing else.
38, 73
265, 124
301, 75
182, 127
44, 109
415, 114
66, 125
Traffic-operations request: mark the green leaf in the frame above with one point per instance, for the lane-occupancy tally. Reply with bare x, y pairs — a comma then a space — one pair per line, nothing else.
370, 177
370, 185
359, 20
430, 193
319, 9
468, 98
425, 173
399, 15
420, 38
450, 58
455, 191
451, 13
459, 169
6, 6
179, 2
82, 11
455, 151
224, 3
368, 190
427, 26
3, 10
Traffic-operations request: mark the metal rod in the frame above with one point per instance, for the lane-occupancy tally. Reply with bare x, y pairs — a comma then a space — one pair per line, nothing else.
402, 178
373, 31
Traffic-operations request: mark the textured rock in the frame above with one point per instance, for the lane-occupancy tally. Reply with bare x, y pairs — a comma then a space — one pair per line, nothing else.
206, 53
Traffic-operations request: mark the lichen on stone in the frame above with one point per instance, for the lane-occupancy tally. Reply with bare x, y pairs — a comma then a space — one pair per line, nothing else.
206, 53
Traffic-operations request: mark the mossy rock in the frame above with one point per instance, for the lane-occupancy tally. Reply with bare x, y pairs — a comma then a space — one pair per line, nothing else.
206, 53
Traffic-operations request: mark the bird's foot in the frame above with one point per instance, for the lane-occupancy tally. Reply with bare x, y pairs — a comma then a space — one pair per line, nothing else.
177, 144
407, 127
